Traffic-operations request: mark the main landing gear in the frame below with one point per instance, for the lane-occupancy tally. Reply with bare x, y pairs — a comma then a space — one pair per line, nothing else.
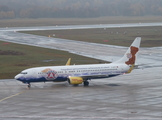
86, 83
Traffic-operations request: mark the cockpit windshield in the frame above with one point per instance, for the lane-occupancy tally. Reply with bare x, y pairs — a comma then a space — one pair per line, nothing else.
23, 73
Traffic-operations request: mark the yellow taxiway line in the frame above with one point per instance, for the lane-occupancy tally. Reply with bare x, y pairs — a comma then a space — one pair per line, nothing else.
11, 96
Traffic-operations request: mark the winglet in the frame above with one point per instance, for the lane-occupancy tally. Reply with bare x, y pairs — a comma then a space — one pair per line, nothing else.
68, 62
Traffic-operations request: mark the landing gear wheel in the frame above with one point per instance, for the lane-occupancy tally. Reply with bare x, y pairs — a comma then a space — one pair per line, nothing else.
28, 86
86, 83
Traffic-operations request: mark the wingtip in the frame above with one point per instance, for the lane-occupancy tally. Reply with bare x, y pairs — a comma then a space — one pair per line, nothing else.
68, 62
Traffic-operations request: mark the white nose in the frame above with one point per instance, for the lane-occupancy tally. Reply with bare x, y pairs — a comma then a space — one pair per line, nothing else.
17, 76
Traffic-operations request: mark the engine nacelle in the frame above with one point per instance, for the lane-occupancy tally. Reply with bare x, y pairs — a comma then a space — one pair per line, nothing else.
75, 80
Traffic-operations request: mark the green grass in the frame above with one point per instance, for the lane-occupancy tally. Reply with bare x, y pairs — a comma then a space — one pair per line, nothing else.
151, 36
33, 57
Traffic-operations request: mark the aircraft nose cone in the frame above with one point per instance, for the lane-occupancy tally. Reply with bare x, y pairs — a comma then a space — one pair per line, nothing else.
17, 77
20, 77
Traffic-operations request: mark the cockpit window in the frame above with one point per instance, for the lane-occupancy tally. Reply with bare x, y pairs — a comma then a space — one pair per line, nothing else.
23, 73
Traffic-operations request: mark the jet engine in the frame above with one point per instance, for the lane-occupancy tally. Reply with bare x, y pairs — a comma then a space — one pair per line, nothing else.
75, 80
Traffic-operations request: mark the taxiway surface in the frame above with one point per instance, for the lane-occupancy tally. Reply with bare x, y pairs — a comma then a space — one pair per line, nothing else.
133, 96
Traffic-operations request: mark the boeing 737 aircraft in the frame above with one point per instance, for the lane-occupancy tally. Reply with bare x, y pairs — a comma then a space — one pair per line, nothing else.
78, 74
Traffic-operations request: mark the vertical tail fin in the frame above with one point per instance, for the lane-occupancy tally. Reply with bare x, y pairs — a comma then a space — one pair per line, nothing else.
130, 56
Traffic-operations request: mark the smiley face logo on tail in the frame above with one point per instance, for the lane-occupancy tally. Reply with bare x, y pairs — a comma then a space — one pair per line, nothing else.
132, 55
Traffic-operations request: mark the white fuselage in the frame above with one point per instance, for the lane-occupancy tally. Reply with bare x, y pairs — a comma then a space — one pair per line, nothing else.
61, 73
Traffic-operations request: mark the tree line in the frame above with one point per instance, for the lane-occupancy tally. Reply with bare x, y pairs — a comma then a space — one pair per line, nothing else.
77, 8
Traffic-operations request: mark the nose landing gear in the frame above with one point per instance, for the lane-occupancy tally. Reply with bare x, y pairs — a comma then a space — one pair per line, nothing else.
29, 85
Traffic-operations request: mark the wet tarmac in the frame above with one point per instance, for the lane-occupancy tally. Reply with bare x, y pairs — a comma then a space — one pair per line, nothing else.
133, 96
56, 27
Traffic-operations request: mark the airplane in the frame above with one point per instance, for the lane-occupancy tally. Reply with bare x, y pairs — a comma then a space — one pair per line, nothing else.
78, 74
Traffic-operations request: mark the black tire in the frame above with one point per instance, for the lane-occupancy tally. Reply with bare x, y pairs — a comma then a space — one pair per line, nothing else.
86, 83
28, 86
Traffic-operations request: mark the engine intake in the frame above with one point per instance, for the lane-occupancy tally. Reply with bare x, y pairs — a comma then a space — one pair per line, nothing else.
75, 80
